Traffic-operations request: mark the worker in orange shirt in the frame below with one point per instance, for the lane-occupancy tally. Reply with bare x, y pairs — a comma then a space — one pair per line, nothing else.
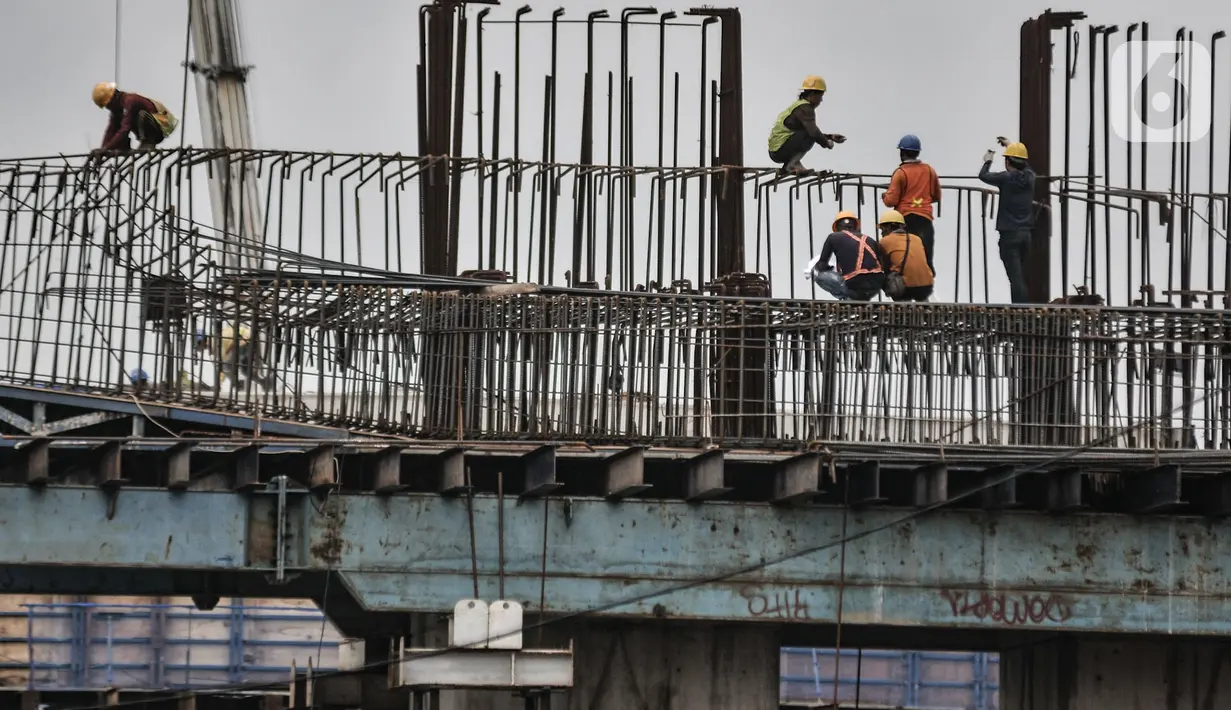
913, 189
904, 255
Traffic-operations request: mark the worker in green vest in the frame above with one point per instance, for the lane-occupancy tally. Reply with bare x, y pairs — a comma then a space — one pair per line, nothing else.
795, 130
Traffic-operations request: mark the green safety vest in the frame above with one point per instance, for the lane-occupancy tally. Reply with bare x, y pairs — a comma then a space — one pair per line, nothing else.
165, 119
779, 134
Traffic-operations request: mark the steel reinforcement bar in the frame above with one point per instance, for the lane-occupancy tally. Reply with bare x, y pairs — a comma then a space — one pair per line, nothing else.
385, 353
354, 210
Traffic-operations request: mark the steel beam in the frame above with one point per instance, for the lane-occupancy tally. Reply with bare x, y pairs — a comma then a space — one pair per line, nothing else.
948, 569
98, 404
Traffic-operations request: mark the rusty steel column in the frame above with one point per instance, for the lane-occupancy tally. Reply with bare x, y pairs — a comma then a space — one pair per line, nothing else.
728, 186
449, 384
435, 113
1034, 129
742, 408
1043, 389
740, 356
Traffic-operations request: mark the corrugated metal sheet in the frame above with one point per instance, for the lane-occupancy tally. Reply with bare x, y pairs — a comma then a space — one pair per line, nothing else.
897, 679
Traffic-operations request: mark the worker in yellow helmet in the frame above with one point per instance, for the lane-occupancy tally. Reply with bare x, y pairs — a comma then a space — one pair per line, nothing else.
1016, 214
795, 131
858, 273
234, 354
148, 120
909, 278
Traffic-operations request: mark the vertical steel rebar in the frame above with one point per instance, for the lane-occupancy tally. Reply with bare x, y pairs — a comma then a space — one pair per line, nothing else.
1145, 157
1071, 43
1209, 181
1091, 256
1107, 33
1128, 163
662, 97
703, 204
479, 120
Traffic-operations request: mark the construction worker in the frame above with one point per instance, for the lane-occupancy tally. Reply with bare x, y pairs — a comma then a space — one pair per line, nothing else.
234, 355
139, 378
148, 120
904, 255
859, 274
795, 130
913, 189
1015, 218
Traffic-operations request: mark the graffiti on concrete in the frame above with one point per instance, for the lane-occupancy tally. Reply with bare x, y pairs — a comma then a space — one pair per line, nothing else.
787, 604
1009, 609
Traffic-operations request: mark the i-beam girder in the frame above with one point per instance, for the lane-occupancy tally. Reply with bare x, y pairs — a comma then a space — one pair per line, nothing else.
949, 569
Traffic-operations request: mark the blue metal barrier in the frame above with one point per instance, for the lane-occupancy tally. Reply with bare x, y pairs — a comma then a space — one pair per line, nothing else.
892, 678
79, 646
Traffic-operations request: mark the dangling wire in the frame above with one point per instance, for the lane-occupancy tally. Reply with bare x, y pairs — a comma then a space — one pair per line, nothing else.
116, 76
184, 100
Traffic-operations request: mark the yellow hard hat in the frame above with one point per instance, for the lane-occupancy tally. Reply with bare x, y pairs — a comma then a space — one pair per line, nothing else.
892, 217
103, 91
813, 83
845, 214
1016, 150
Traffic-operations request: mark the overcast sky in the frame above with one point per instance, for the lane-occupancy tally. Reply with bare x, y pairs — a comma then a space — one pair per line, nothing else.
339, 76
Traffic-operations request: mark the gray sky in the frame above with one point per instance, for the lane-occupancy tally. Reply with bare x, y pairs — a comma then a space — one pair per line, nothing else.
946, 71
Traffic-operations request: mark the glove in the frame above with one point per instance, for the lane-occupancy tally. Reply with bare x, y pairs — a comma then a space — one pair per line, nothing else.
811, 271
829, 143
989, 156
837, 137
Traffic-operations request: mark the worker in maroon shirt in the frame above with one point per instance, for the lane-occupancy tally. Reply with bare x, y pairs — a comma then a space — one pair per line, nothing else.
146, 119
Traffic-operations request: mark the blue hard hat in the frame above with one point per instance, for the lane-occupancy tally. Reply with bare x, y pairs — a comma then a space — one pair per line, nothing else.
910, 141
138, 376
200, 335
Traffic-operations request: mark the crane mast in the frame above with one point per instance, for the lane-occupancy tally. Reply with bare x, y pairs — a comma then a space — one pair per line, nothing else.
221, 79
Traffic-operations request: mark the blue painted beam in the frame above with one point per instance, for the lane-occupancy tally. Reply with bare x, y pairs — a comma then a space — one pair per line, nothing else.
187, 415
950, 569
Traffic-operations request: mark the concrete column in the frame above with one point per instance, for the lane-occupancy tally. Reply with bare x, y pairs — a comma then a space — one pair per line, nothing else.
1075, 674
657, 666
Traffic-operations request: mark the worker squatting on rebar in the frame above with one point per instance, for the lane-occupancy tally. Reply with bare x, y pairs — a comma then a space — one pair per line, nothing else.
236, 354
795, 130
864, 266
146, 119
1015, 218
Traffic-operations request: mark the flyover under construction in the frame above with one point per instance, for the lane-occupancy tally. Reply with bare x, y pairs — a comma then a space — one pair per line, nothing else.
646, 438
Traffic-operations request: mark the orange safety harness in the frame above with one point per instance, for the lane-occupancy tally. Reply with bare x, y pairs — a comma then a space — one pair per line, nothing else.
863, 247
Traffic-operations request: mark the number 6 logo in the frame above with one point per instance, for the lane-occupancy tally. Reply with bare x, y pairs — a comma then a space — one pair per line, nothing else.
1155, 92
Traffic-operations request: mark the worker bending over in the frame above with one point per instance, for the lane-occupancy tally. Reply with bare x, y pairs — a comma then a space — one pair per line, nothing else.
859, 274
148, 120
795, 130
913, 189
235, 355
904, 255
1015, 218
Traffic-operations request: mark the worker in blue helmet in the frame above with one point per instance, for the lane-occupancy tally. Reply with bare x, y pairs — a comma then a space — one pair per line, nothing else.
139, 377
913, 189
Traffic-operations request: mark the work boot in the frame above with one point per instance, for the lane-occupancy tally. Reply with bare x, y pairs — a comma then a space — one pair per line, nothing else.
794, 166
